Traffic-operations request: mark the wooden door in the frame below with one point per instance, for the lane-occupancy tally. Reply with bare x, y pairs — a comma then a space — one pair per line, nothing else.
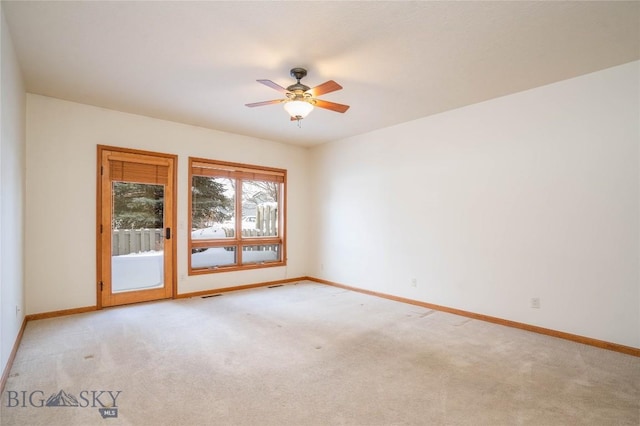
136, 226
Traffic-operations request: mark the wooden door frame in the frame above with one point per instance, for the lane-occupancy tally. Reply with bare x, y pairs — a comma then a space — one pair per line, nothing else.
100, 225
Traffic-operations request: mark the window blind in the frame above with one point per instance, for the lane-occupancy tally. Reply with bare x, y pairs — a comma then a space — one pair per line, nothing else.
138, 172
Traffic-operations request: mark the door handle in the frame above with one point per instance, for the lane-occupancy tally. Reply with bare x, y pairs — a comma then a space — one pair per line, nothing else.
167, 233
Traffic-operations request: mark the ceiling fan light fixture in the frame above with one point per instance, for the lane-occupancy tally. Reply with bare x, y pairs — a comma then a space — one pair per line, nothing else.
298, 109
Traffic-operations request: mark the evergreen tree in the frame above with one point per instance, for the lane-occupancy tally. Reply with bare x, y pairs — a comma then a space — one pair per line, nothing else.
137, 205
208, 201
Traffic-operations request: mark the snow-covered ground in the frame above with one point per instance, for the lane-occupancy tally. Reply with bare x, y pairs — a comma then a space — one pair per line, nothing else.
215, 231
137, 271
144, 270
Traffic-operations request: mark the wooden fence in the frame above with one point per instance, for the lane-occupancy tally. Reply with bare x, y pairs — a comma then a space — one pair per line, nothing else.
267, 218
230, 232
126, 241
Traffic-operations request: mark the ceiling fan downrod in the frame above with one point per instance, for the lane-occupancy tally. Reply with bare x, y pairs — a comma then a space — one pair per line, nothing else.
298, 88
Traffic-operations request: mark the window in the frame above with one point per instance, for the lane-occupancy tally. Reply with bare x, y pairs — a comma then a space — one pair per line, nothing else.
237, 216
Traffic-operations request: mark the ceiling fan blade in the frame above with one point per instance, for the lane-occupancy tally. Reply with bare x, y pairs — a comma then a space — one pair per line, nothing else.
326, 87
273, 85
255, 104
331, 105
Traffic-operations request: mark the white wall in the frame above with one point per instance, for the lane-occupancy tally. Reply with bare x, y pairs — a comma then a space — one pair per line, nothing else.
61, 195
12, 187
530, 195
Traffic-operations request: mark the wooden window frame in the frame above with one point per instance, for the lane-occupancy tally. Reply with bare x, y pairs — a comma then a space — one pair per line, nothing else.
239, 172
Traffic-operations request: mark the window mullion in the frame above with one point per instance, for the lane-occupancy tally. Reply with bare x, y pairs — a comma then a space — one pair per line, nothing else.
239, 220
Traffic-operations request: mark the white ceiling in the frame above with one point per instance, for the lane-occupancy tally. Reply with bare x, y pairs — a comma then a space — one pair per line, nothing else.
197, 62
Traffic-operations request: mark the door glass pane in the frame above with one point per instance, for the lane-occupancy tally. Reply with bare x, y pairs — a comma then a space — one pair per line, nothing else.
213, 207
259, 208
137, 226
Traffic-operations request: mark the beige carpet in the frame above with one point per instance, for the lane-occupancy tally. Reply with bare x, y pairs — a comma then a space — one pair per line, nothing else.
308, 354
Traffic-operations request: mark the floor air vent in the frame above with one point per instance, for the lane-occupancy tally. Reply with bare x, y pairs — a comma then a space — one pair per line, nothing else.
211, 295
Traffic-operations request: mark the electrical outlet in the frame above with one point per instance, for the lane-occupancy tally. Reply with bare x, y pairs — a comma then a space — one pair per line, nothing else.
535, 303
414, 282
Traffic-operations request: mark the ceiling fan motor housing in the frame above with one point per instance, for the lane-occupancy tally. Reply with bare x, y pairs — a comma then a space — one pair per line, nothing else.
298, 88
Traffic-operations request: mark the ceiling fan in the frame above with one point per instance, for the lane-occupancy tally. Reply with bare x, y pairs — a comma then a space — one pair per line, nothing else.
300, 99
